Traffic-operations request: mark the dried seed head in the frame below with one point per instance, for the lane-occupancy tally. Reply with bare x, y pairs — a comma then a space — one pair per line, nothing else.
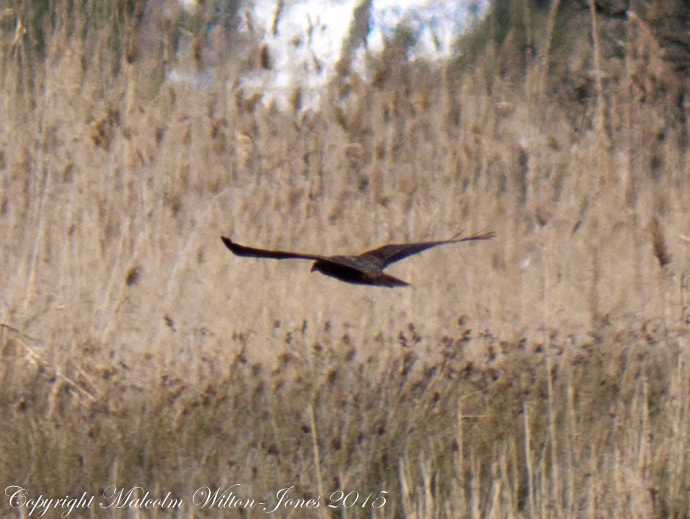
659, 243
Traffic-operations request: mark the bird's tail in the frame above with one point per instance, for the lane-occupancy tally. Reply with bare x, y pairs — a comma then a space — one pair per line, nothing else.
386, 280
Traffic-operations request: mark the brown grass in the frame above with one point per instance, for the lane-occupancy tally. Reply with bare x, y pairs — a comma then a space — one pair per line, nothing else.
542, 374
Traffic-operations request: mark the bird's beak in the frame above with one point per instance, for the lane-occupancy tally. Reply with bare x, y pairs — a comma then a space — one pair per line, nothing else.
313, 267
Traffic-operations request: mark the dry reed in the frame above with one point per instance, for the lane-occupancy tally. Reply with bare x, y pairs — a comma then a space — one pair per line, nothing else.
541, 374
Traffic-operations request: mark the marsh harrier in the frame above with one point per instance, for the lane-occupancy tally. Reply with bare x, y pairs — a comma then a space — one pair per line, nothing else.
363, 269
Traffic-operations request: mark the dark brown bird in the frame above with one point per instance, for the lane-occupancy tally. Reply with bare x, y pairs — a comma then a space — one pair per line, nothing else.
363, 269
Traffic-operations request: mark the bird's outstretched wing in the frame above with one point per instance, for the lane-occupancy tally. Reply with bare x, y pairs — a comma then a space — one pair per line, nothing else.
241, 250
384, 256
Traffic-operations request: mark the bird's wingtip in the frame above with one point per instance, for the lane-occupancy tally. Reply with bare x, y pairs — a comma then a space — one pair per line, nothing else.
488, 235
484, 236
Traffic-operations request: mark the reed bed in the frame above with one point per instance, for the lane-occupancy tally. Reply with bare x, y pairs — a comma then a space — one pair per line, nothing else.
540, 374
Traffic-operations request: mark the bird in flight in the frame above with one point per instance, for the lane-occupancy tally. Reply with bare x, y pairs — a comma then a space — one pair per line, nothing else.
363, 269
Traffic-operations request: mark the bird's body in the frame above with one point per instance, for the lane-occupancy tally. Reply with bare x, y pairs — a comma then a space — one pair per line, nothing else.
346, 269
363, 269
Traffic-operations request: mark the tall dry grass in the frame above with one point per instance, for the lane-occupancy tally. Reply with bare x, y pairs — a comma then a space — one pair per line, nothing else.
540, 374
